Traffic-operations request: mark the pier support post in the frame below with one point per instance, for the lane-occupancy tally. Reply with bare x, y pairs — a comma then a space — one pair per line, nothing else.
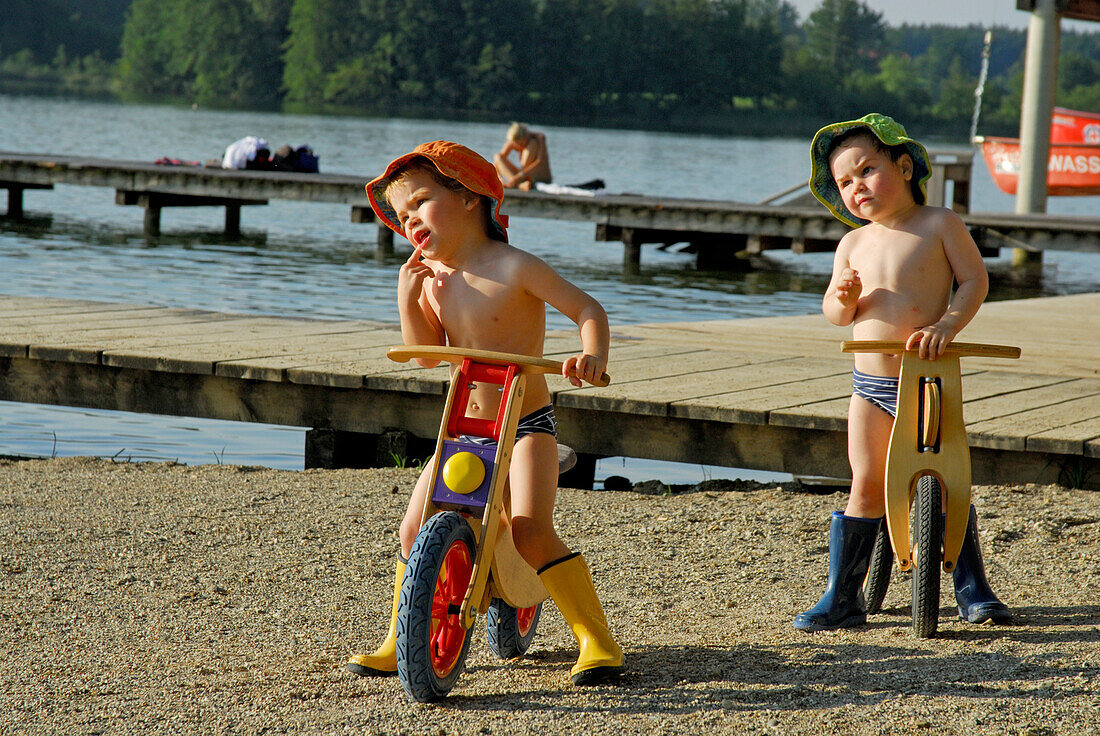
151, 221
384, 244
632, 251
384, 248
15, 202
233, 219
1040, 78
15, 196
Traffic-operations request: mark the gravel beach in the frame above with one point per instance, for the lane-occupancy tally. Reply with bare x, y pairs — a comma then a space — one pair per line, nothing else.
161, 598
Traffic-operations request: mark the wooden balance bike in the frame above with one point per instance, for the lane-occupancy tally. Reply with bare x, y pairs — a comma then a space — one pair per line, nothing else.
927, 468
463, 561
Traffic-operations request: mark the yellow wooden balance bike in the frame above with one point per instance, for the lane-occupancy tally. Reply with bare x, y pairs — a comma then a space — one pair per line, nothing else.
927, 469
463, 561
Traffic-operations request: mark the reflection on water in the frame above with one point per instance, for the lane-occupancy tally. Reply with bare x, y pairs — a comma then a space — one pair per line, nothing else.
308, 259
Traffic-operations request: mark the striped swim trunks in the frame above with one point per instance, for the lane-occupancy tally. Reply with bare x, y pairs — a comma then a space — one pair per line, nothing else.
879, 390
539, 421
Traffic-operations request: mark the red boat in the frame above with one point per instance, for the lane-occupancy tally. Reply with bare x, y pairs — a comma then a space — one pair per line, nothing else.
1074, 165
1073, 169
1073, 126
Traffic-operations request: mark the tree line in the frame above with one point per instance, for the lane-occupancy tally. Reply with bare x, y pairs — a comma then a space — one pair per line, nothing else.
703, 64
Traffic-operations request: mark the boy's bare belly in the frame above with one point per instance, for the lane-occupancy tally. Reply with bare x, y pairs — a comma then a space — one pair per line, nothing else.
485, 399
888, 315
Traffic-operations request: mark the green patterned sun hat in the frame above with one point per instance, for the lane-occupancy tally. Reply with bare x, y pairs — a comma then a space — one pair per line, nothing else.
883, 127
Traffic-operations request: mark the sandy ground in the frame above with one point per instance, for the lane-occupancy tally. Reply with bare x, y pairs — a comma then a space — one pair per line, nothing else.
157, 598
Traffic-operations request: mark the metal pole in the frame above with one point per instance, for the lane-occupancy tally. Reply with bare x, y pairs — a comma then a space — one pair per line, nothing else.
1040, 79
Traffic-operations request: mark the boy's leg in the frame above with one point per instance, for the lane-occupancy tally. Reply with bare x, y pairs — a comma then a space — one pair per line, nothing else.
977, 601
533, 478
534, 484
383, 661
410, 524
869, 429
852, 534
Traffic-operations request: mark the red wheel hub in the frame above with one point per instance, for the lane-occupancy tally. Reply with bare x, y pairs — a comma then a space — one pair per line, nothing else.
448, 634
525, 619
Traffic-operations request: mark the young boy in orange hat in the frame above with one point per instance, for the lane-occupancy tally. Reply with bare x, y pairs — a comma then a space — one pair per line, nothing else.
465, 286
892, 278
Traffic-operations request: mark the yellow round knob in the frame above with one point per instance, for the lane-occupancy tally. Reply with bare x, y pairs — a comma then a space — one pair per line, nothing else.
463, 472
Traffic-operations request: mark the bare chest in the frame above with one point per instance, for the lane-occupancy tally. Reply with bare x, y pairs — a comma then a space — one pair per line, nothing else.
903, 264
487, 313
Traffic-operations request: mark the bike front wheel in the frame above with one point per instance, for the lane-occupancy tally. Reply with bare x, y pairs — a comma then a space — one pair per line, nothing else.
928, 558
431, 640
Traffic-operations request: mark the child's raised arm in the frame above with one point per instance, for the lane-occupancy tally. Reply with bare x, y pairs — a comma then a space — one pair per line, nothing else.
540, 280
842, 297
973, 285
419, 324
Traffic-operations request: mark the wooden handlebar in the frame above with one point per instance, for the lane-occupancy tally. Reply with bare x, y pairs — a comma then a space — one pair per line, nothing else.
961, 349
527, 363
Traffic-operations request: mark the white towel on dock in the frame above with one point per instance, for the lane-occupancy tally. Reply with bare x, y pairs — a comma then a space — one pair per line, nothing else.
239, 153
564, 189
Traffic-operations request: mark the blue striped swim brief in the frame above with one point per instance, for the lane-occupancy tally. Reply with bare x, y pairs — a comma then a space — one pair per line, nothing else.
539, 421
879, 390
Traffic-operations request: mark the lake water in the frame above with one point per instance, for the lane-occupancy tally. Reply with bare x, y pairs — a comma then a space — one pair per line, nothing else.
302, 259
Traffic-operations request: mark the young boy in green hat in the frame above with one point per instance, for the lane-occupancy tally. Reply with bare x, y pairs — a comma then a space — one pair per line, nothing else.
892, 278
465, 286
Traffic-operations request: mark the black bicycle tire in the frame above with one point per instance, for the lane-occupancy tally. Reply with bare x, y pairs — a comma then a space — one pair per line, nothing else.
502, 627
877, 581
414, 665
928, 558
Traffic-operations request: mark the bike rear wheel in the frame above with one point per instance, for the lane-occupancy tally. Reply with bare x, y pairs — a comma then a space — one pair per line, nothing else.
511, 630
878, 571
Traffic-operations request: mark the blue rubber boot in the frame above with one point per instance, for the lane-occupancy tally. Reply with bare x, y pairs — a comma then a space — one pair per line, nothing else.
851, 540
977, 602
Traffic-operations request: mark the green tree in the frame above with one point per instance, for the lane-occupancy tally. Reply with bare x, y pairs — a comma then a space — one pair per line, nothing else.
319, 42
956, 94
213, 52
147, 66
845, 36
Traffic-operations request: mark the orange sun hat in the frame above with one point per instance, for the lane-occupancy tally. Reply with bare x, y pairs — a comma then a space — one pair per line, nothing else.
454, 161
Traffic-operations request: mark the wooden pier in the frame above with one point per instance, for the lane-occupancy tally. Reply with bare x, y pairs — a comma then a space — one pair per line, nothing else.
721, 233
767, 393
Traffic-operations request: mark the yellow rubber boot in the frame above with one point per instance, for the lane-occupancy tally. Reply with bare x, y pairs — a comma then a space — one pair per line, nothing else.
570, 585
384, 660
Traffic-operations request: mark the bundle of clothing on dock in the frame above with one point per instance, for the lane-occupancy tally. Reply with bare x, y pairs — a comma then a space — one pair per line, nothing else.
254, 153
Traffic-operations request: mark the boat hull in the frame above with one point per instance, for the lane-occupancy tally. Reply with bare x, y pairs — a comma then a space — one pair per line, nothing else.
1074, 126
1073, 168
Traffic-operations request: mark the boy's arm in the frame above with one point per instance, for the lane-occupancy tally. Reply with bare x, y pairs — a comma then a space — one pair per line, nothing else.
841, 298
419, 324
543, 282
973, 285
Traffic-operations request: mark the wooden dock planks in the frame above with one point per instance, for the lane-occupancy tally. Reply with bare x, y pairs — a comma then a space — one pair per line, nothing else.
677, 389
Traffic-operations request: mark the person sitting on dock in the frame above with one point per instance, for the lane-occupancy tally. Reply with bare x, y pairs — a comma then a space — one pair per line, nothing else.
465, 286
891, 280
534, 158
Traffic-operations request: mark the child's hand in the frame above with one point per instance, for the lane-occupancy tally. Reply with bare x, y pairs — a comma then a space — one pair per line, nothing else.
411, 276
583, 366
848, 287
931, 342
